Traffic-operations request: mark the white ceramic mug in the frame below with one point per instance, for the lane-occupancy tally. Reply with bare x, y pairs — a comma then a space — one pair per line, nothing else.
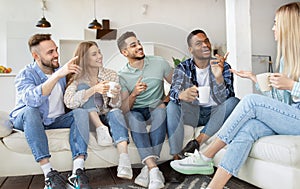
112, 85
204, 93
264, 81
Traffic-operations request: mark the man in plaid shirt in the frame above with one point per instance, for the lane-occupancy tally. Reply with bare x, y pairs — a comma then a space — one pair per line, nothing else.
185, 108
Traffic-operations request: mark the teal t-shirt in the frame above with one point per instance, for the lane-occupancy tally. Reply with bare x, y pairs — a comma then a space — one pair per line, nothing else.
153, 73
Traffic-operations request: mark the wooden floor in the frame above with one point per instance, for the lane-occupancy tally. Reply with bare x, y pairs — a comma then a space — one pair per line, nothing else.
98, 178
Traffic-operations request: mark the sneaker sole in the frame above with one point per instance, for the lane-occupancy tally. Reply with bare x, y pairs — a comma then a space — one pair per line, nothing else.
69, 186
72, 187
160, 186
141, 184
193, 171
124, 176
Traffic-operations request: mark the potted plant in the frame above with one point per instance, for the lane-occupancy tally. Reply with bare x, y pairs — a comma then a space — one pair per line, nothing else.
177, 61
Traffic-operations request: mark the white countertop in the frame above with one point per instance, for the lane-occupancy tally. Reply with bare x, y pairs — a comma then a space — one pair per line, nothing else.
8, 74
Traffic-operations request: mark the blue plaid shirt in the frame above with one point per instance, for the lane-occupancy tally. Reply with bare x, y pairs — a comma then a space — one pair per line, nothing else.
185, 77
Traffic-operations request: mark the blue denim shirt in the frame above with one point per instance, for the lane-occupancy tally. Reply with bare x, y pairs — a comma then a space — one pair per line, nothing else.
28, 85
185, 77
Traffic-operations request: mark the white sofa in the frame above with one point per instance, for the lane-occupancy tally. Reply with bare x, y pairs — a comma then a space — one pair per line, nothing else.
16, 157
274, 161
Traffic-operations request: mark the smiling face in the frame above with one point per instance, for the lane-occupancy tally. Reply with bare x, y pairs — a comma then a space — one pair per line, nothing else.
200, 47
94, 57
46, 55
134, 49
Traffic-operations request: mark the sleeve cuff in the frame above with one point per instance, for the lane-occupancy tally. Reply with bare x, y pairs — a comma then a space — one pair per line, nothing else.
296, 89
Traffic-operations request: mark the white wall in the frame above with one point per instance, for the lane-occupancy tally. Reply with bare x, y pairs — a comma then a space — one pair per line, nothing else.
262, 20
239, 42
69, 19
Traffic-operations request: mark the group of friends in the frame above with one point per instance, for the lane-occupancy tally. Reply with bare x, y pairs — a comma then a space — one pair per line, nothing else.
76, 94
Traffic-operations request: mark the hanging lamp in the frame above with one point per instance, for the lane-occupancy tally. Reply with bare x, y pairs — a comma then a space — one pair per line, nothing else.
95, 24
43, 23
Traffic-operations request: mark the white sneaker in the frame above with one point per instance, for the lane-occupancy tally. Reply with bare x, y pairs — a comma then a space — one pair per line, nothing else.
143, 178
124, 167
193, 164
103, 136
156, 178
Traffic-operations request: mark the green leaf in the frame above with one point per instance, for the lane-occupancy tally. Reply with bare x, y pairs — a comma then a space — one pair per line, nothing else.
178, 61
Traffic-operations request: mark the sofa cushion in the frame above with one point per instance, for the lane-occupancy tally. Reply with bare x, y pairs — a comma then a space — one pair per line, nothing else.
280, 149
59, 141
5, 125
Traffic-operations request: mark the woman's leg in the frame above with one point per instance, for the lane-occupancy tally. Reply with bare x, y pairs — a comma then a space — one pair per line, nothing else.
272, 113
95, 120
264, 109
214, 148
118, 128
220, 179
218, 116
238, 150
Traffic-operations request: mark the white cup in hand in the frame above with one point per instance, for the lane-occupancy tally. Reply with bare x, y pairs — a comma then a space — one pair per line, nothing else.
264, 81
204, 94
112, 85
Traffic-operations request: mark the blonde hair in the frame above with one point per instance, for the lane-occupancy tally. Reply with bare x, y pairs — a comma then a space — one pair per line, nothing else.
81, 52
288, 39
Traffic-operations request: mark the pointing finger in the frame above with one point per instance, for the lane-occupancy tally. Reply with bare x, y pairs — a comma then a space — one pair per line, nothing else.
139, 80
225, 56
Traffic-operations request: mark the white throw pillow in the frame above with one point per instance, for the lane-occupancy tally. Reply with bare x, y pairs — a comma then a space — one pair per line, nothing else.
5, 125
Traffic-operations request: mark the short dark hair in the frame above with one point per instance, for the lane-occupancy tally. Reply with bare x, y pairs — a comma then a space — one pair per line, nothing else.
193, 33
121, 40
36, 39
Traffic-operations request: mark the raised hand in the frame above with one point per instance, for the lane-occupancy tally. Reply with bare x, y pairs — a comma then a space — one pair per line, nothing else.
69, 67
139, 87
217, 65
244, 74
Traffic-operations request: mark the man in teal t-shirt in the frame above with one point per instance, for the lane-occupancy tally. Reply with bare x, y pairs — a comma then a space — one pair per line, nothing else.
142, 81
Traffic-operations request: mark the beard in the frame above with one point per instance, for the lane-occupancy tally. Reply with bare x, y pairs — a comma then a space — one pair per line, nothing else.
48, 64
139, 58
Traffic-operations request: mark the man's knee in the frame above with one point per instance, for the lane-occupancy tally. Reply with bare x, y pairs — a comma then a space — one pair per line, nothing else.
172, 107
31, 112
232, 101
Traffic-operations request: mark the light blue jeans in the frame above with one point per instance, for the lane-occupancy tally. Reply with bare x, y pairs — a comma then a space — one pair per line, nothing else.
117, 124
149, 144
30, 121
114, 119
193, 115
254, 117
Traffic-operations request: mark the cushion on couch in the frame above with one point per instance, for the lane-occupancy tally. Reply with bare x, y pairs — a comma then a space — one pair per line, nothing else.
279, 149
5, 125
59, 141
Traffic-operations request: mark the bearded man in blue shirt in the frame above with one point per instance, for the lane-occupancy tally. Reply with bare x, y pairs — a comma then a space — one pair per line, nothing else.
40, 88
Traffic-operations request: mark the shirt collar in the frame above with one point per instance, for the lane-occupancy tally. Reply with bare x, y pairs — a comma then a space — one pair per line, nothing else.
38, 70
132, 69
